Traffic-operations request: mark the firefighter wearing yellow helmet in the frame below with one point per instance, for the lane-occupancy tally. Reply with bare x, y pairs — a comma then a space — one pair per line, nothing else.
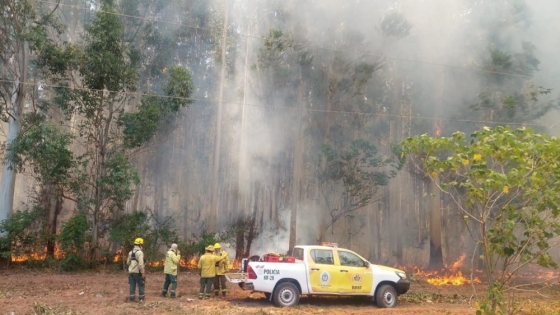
207, 270
221, 269
136, 272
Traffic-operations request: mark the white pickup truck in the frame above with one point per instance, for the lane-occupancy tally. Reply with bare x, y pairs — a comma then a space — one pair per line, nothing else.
322, 270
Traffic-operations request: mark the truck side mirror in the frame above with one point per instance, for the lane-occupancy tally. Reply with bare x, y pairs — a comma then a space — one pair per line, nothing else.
366, 264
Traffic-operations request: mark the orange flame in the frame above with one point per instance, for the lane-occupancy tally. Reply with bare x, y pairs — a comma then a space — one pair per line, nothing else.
117, 256
156, 263
189, 264
235, 264
37, 256
450, 275
193, 263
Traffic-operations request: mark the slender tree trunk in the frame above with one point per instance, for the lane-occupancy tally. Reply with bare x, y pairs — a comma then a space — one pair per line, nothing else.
435, 208
215, 201
297, 169
15, 112
436, 254
55, 210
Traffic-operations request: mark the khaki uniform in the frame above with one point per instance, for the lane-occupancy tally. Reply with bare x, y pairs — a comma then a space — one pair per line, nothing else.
221, 269
136, 275
170, 270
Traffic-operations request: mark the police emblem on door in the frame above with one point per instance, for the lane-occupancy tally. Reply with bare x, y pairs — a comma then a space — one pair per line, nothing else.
325, 277
357, 278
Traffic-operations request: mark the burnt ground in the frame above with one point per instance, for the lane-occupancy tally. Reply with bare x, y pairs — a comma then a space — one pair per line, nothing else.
29, 291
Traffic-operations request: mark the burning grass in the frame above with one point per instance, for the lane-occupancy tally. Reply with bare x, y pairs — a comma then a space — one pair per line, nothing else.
37, 256
450, 275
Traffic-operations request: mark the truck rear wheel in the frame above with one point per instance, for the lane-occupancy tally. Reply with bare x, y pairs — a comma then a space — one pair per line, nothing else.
286, 294
386, 296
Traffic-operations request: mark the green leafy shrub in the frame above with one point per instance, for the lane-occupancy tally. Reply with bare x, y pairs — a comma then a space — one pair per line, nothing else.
25, 233
72, 238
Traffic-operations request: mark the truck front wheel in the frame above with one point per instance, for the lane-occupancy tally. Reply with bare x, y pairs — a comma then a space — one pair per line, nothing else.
386, 296
286, 294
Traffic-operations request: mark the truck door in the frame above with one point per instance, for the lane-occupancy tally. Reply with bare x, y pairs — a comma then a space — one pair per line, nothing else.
323, 274
355, 273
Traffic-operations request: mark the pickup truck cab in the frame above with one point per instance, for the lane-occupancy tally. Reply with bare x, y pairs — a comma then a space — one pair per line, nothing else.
322, 270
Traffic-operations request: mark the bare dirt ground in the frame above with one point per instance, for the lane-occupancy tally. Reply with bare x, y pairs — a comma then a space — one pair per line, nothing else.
28, 291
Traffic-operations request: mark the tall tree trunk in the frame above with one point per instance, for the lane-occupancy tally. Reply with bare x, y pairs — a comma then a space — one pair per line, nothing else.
436, 254
215, 201
435, 207
55, 211
15, 112
297, 169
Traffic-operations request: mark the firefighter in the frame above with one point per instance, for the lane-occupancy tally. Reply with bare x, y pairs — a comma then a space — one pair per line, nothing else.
207, 270
136, 272
221, 269
170, 269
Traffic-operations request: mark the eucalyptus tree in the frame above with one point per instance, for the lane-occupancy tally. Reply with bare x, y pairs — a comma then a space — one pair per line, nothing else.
24, 29
508, 60
96, 88
44, 148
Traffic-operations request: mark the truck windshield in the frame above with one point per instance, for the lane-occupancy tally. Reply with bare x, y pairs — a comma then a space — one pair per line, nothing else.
322, 256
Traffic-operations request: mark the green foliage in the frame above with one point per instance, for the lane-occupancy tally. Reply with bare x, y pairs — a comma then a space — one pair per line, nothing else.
141, 126
351, 176
127, 227
504, 181
156, 234
494, 304
178, 89
196, 246
116, 184
106, 64
24, 233
45, 147
72, 238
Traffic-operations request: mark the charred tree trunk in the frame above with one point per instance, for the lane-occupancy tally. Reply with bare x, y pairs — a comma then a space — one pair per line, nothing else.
240, 244
251, 235
436, 254
53, 224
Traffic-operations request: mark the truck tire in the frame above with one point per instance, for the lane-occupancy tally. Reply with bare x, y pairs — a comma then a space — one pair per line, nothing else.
386, 296
285, 295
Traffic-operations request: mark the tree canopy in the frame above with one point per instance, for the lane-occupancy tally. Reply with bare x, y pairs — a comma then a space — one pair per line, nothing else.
505, 183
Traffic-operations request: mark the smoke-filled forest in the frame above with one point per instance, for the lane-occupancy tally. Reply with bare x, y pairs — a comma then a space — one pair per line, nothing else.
261, 124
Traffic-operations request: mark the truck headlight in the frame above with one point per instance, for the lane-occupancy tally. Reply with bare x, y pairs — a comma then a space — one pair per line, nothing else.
401, 275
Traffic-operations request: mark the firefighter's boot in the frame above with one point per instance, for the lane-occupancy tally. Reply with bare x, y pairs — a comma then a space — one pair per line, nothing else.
224, 293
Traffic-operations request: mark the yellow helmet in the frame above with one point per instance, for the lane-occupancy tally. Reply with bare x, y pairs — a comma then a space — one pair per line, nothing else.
209, 248
217, 246
139, 241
